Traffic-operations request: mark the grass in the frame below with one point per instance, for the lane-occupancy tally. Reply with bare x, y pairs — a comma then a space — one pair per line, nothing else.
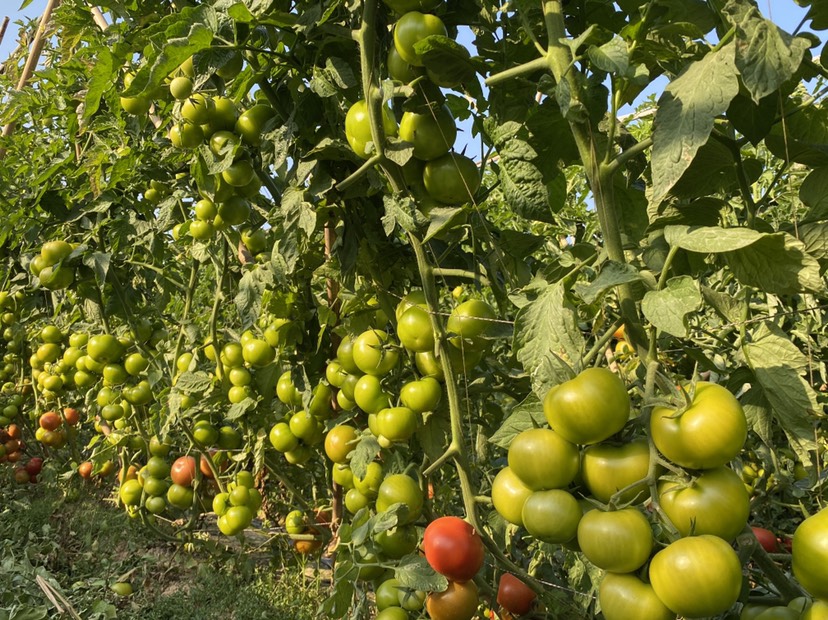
76, 549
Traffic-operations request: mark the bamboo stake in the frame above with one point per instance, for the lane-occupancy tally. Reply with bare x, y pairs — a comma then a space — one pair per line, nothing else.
31, 62
98, 17
3, 28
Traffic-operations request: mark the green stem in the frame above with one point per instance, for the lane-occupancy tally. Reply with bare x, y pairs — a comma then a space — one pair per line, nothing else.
600, 176
601, 344
358, 173
624, 156
788, 590
538, 64
446, 272
188, 303
214, 314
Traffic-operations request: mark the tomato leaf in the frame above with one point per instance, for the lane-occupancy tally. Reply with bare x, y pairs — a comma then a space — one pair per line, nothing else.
193, 382
778, 364
668, 308
814, 193
524, 416
766, 56
612, 274
685, 116
547, 340
365, 452
414, 572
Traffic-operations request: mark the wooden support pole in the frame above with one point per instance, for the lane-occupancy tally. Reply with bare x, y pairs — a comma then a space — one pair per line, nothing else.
32, 60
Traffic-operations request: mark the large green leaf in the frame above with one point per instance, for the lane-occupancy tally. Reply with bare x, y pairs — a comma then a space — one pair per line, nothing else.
778, 365
547, 339
766, 56
685, 116
668, 308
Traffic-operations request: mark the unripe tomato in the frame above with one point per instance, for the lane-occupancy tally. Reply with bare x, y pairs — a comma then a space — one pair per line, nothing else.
422, 395
453, 548
399, 69
457, 602
542, 459
552, 516
432, 131
370, 483
397, 423
340, 442
716, 502
387, 595
817, 611
104, 348
412, 28
251, 123
369, 395
358, 128
400, 488
374, 353
452, 179
257, 352
398, 541
515, 596
509, 495
810, 554
589, 408
414, 330
697, 576
618, 541
185, 135
606, 469
625, 596
779, 612
708, 434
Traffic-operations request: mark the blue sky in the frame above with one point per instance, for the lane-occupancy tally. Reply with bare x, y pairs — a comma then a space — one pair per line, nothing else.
784, 12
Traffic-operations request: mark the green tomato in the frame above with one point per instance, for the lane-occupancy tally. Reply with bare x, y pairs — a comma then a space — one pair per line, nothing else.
618, 541
810, 554
104, 348
374, 353
196, 109
397, 424
358, 128
697, 576
184, 135
401, 489
708, 434
258, 353
452, 179
589, 408
369, 395
355, 501
432, 132
345, 356
625, 596
509, 496
398, 541
252, 122
287, 392
369, 484
715, 502
542, 459
412, 28
606, 469
422, 395
399, 69
414, 330
387, 594
552, 516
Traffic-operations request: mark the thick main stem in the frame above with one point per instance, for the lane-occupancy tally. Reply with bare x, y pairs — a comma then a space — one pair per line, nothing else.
598, 174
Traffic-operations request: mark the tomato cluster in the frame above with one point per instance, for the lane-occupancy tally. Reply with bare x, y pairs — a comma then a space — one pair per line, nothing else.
455, 550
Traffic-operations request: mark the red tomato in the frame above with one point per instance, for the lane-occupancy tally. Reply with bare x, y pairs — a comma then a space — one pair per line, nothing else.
766, 538
453, 548
514, 595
